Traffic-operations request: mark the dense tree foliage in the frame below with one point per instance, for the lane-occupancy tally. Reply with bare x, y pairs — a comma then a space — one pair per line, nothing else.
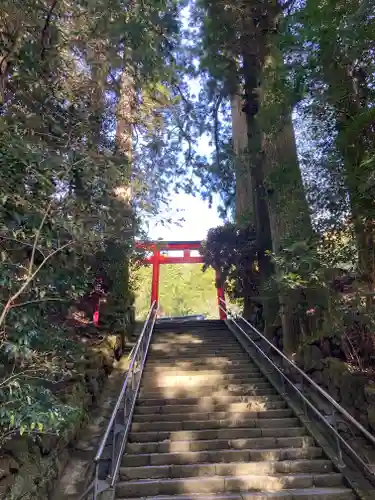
99, 125
260, 62
79, 82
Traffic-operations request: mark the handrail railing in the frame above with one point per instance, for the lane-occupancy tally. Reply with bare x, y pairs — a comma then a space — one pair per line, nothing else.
286, 369
111, 448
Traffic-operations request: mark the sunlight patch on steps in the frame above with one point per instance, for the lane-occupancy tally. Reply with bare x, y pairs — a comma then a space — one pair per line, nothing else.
183, 339
216, 361
216, 484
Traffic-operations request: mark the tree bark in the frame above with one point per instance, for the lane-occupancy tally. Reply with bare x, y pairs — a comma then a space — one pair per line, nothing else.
280, 208
289, 219
98, 59
258, 22
288, 209
244, 198
125, 116
126, 109
252, 66
244, 202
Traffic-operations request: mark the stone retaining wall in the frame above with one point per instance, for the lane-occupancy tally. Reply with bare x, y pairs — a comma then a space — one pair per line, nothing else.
29, 466
353, 390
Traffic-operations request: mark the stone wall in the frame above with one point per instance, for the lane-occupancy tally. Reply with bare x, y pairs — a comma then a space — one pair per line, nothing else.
353, 390
30, 465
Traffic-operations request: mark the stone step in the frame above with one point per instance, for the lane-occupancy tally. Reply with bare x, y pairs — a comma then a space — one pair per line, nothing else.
226, 469
178, 344
220, 396
216, 362
217, 456
256, 384
220, 444
196, 340
176, 369
291, 494
219, 484
192, 339
175, 346
170, 381
222, 433
176, 349
192, 332
173, 370
203, 401
208, 425
193, 342
215, 420
194, 355
193, 425
252, 403
209, 370
192, 335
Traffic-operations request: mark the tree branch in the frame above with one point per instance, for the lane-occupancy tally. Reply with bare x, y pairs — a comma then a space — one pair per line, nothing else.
36, 301
47, 22
22, 243
37, 234
8, 305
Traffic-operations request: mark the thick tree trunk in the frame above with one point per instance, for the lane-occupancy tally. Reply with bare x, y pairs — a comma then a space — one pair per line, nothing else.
99, 69
287, 205
289, 218
289, 212
244, 198
125, 115
244, 201
280, 208
252, 66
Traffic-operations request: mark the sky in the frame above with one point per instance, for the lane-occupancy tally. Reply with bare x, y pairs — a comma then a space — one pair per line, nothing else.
198, 219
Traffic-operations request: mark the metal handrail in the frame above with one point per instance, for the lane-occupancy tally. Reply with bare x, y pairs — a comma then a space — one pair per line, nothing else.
117, 430
337, 407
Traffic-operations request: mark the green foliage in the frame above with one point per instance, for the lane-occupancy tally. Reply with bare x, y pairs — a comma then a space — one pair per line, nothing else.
85, 157
232, 251
318, 59
330, 47
298, 266
184, 290
65, 208
32, 408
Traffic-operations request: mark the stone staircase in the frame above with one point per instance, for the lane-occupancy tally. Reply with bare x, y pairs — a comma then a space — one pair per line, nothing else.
207, 425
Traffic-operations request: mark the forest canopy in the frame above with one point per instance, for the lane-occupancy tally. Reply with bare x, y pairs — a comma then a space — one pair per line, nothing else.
103, 107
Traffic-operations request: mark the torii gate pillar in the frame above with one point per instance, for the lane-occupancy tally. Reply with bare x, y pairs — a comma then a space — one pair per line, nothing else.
155, 276
158, 258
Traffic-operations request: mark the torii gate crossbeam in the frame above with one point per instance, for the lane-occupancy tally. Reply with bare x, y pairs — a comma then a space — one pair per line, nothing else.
160, 256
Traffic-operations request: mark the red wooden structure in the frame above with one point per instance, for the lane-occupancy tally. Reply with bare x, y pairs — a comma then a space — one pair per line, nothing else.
160, 255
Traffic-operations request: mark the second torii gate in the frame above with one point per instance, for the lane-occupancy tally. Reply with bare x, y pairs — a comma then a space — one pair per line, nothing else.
158, 257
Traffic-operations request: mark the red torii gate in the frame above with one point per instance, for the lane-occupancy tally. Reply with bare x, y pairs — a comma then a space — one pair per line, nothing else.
157, 258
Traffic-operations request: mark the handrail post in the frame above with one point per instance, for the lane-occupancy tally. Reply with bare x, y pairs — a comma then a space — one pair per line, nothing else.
220, 296
155, 276
338, 444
